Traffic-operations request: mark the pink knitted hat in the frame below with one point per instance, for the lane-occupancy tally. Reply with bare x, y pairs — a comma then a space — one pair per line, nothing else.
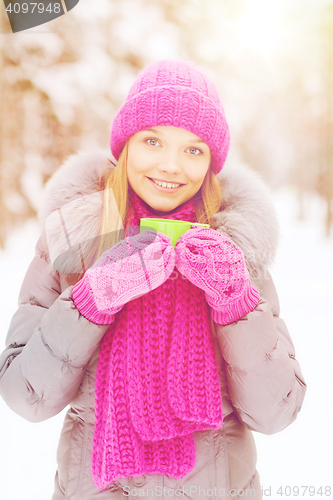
173, 93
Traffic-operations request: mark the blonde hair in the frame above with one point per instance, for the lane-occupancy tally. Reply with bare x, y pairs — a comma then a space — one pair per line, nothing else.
116, 206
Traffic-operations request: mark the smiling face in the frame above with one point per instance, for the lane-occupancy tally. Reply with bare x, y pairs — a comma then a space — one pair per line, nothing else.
166, 166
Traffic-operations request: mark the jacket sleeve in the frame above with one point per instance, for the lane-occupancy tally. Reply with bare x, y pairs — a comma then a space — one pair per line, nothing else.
48, 346
266, 385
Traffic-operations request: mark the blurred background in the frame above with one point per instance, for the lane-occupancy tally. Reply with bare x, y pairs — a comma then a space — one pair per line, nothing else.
60, 86
62, 82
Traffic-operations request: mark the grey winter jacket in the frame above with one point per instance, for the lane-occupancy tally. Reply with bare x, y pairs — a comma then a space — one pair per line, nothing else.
52, 351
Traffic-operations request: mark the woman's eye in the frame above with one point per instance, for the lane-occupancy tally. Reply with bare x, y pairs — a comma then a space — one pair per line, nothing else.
152, 142
194, 151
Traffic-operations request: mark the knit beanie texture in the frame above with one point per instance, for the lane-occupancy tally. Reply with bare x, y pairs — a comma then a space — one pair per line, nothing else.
174, 93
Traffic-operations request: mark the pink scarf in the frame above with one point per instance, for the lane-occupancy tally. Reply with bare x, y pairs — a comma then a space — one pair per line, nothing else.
157, 377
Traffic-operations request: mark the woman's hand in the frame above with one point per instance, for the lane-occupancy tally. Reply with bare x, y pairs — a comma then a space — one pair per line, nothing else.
216, 265
124, 272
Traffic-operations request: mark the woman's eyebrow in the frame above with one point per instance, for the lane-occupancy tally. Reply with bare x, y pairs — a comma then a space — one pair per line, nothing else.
198, 141
153, 130
159, 132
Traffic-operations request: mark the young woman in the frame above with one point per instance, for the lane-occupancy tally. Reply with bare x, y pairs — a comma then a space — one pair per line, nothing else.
168, 356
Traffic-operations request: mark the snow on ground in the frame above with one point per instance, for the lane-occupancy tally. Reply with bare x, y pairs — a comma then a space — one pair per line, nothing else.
300, 455
27, 458
303, 274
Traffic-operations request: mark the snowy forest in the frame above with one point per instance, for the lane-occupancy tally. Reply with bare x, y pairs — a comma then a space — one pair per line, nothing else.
61, 84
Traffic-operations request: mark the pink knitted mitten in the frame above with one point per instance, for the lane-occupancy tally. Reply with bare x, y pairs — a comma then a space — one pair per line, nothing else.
124, 272
216, 265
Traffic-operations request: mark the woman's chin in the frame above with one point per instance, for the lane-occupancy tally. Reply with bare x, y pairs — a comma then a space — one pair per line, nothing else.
161, 207
162, 210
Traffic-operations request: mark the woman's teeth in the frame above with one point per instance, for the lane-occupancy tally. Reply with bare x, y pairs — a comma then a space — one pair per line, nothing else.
165, 184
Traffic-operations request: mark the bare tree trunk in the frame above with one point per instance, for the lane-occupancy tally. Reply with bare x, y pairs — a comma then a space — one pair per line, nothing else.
2, 99
327, 178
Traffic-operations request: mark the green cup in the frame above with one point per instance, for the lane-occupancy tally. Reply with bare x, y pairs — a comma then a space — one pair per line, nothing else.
172, 228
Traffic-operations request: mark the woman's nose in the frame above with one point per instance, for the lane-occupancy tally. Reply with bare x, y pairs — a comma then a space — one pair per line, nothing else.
170, 163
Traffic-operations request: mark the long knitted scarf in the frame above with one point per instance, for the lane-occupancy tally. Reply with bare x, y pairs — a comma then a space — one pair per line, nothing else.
157, 378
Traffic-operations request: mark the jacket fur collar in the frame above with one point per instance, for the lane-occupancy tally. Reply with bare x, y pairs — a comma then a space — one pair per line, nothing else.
72, 206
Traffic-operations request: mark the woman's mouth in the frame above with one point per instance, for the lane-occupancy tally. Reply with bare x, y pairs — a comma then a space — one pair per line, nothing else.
165, 186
